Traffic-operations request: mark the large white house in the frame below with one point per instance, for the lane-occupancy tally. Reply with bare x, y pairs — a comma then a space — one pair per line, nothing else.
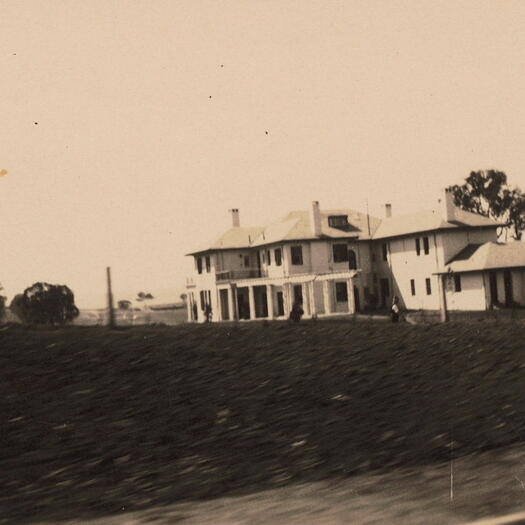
342, 261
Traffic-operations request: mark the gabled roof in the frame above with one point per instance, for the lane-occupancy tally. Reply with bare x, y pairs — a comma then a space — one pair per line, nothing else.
488, 256
431, 220
234, 238
296, 226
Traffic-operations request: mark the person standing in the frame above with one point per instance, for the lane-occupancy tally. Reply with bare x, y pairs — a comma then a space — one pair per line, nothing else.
296, 312
395, 309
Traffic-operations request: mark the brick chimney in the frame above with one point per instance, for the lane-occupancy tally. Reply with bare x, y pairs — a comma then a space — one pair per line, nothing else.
388, 211
236, 221
448, 208
315, 219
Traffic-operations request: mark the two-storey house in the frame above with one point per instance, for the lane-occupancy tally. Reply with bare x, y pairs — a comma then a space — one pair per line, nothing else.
340, 261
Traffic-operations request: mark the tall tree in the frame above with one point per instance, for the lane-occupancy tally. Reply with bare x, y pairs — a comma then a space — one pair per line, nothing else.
45, 303
486, 192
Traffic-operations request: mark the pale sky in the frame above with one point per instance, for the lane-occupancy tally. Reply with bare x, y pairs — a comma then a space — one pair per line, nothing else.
117, 156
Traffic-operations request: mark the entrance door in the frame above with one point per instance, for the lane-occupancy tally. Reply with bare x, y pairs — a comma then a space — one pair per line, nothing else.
280, 304
493, 283
507, 283
298, 293
356, 299
385, 292
225, 311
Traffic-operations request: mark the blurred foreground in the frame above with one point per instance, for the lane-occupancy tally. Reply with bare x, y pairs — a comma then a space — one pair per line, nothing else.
97, 423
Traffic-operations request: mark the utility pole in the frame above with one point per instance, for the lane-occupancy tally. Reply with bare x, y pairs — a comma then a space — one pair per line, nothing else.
443, 306
111, 312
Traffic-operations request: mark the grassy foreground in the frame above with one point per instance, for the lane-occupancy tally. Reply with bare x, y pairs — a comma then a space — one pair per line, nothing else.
94, 421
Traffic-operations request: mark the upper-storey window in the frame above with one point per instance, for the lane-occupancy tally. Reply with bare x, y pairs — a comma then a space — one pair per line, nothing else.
268, 257
297, 255
384, 248
418, 246
352, 260
208, 263
338, 221
426, 245
340, 252
199, 264
278, 255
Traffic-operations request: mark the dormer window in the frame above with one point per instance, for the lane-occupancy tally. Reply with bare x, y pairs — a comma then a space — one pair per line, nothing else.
338, 221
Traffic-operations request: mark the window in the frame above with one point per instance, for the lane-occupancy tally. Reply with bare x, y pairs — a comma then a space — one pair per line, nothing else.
385, 251
203, 299
457, 282
278, 255
418, 247
297, 255
340, 252
352, 260
341, 293
426, 245
208, 264
338, 221
269, 256
413, 286
199, 264
263, 257
247, 261
429, 287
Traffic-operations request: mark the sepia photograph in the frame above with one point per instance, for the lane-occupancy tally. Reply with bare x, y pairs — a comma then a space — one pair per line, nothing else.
262, 262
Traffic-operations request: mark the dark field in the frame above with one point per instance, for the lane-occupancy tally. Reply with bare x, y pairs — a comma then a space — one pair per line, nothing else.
94, 421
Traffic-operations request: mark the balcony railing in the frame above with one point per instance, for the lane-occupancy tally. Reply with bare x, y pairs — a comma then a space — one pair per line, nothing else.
246, 273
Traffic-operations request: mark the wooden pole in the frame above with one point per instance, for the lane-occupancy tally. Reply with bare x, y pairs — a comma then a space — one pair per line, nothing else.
443, 290
111, 312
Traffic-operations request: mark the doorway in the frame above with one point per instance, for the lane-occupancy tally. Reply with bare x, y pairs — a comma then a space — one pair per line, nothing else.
280, 304
356, 299
385, 291
507, 284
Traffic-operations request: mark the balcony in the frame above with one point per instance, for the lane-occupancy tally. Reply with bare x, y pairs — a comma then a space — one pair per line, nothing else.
245, 273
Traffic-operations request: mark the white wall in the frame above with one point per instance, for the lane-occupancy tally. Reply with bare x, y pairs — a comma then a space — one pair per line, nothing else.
404, 264
472, 295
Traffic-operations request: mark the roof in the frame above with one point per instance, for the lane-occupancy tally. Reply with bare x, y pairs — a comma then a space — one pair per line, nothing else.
488, 256
296, 226
234, 238
431, 220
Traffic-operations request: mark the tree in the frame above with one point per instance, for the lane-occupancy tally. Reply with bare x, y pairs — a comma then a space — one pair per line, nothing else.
2, 304
487, 193
44, 303
141, 296
124, 304
16, 307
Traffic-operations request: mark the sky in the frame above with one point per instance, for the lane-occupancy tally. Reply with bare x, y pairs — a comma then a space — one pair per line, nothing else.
129, 128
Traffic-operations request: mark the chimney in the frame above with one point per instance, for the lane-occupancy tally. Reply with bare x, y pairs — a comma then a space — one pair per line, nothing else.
448, 208
315, 219
236, 221
388, 211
